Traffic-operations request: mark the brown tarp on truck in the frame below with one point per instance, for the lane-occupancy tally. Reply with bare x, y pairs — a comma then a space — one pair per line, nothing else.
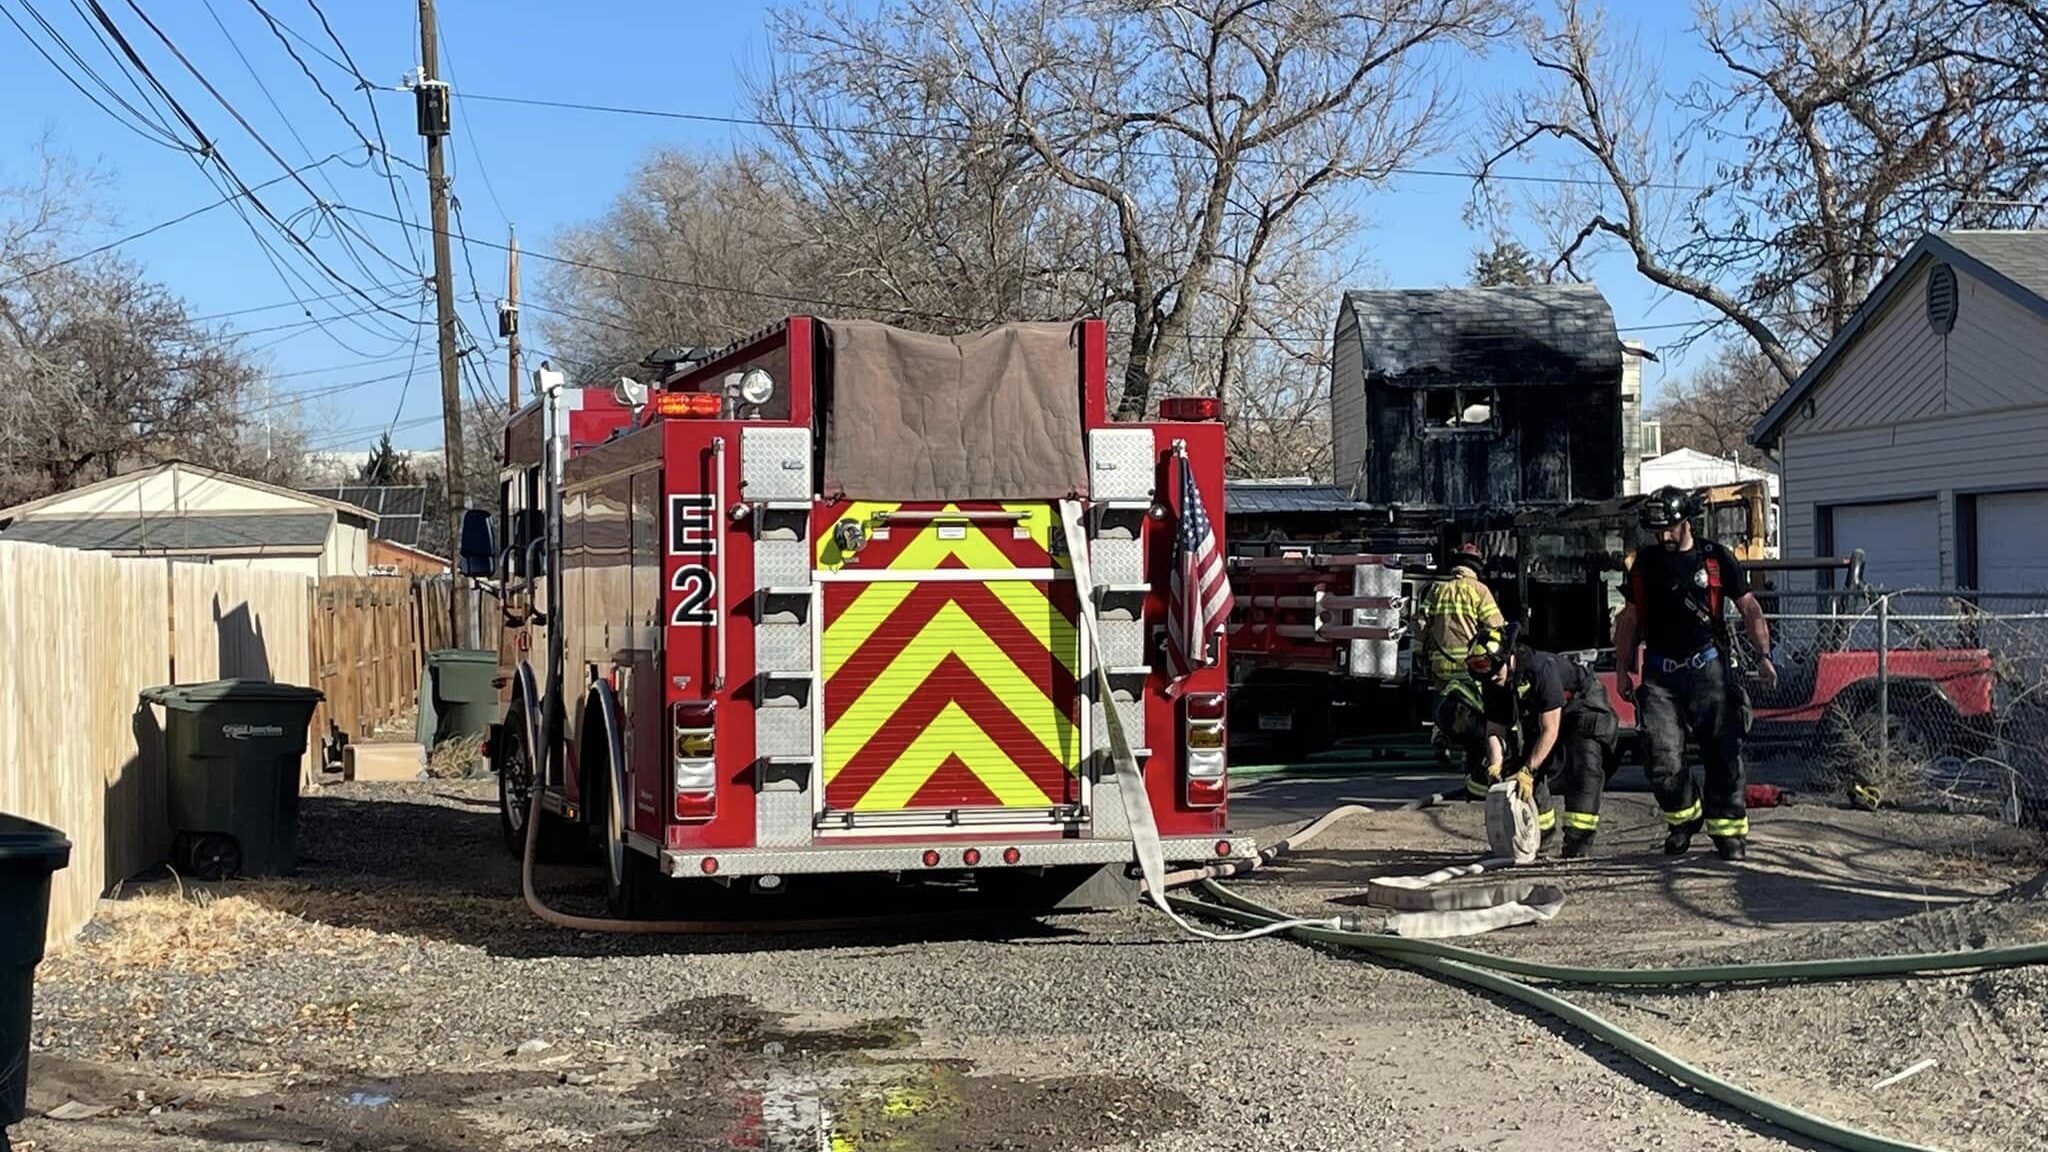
993, 415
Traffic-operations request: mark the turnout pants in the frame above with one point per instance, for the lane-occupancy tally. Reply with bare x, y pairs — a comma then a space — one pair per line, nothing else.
1585, 747
1695, 702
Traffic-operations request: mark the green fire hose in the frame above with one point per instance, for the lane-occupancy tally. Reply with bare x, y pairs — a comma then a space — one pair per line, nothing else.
1482, 970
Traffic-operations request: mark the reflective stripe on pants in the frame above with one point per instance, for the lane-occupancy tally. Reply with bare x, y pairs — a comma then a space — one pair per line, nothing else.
1736, 827
1581, 821
1685, 815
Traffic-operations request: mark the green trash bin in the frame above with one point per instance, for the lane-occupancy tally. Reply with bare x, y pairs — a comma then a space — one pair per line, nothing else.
457, 696
232, 752
29, 853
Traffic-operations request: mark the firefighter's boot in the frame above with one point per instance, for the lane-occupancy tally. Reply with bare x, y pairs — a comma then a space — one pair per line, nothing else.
1732, 847
1577, 843
1679, 840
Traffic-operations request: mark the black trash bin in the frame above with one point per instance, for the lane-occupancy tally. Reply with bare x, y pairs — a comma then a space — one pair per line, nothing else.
232, 751
458, 696
29, 853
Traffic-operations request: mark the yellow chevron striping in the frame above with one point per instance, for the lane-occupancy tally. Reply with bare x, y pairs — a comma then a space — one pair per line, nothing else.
951, 632
952, 733
853, 627
1025, 600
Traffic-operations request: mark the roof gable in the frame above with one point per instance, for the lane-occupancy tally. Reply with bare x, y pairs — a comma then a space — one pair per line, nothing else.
135, 475
1538, 334
2014, 264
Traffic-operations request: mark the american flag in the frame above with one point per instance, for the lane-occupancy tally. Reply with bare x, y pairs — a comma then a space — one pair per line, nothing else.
1198, 601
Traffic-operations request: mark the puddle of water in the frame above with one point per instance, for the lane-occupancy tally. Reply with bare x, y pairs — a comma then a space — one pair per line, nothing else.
365, 1100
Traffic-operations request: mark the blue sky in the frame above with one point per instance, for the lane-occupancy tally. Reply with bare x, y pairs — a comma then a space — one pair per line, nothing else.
539, 168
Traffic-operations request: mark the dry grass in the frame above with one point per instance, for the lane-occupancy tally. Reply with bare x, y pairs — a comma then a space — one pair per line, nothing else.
205, 931
455, 758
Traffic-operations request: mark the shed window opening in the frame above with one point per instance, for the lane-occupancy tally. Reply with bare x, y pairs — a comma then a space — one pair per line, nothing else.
1458, 411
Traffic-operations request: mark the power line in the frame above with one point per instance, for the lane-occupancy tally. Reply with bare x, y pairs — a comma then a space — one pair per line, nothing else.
945, 138
240, 119
148, 129
161, 225
474, 150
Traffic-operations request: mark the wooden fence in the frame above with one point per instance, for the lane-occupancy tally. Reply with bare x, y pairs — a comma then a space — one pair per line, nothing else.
366, 655
84, 634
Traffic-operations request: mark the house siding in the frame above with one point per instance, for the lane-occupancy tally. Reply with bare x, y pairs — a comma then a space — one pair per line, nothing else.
1347, 404
1892, 372
1939, 457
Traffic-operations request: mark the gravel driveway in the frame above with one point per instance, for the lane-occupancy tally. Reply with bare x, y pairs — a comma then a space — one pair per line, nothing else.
397, 995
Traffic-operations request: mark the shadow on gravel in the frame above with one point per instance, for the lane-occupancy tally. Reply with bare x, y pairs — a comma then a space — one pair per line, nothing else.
440, 871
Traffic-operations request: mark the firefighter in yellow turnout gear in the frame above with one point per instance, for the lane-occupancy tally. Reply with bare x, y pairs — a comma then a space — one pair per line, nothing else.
1454, 612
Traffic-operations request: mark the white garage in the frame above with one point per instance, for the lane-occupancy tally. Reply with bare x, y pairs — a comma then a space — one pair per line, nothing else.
1898, 538
1918, 433
2012, 541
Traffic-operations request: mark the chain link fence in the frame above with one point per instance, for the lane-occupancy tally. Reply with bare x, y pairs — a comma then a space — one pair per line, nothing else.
1923, 699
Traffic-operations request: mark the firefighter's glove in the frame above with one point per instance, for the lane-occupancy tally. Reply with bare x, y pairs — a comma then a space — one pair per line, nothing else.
1767, 672
1525, 786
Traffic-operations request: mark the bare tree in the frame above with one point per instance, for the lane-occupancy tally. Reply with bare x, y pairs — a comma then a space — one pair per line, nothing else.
696, 251
1775, 190
105, 369
1714, 410
1159, 151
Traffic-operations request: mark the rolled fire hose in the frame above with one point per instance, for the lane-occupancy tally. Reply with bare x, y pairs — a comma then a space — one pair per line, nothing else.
1482, 970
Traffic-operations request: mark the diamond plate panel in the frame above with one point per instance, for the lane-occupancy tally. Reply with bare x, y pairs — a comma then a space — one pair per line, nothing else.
1131, 712
1106, 802
782, 563
782, 731
775, 463
1118, 561
1121, 464
782, 648
1123, 641
782, 818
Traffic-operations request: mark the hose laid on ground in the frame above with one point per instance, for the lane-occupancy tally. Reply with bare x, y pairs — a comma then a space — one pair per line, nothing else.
1293, 840
1482, 970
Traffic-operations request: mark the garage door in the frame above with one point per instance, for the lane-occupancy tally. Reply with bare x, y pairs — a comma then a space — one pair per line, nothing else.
2012, 541
1900, 541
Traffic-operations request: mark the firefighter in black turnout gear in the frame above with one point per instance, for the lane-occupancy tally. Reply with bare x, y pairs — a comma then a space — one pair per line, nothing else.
1551, 718
1677, 592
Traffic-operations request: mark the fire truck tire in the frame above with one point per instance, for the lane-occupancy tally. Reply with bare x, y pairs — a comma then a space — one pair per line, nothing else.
558, 839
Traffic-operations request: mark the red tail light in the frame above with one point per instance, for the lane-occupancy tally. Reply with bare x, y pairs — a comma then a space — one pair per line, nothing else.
695, 759
1012, 855
971, 857
1206, 705
1205, 793
1190, 408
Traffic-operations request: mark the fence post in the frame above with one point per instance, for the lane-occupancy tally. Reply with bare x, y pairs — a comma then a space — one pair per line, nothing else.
1884, 693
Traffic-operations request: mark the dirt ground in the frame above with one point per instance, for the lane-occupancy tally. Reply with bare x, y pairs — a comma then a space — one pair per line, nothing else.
397, 995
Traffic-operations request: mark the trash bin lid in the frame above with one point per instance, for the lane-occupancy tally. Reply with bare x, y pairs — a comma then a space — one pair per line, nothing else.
218, 691
463, 656
25, 842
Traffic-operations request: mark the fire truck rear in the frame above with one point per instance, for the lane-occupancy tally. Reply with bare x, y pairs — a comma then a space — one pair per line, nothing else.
808, 606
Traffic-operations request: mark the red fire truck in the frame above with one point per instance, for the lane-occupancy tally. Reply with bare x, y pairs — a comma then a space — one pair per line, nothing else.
806, 606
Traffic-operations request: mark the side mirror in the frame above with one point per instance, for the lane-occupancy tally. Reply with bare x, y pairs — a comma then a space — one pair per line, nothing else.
479, 554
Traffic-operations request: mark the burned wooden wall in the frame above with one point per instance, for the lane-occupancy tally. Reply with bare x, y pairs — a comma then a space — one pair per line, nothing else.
1483, 397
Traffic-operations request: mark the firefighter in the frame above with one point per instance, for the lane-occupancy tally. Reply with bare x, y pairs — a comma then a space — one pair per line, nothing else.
1453, 612
1551, 718
1676, 594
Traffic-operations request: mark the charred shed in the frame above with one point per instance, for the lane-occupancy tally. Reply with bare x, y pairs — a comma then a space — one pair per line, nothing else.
1470, 401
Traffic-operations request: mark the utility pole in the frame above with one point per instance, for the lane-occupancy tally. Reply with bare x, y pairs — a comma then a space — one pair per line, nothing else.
508, 319
432, 97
